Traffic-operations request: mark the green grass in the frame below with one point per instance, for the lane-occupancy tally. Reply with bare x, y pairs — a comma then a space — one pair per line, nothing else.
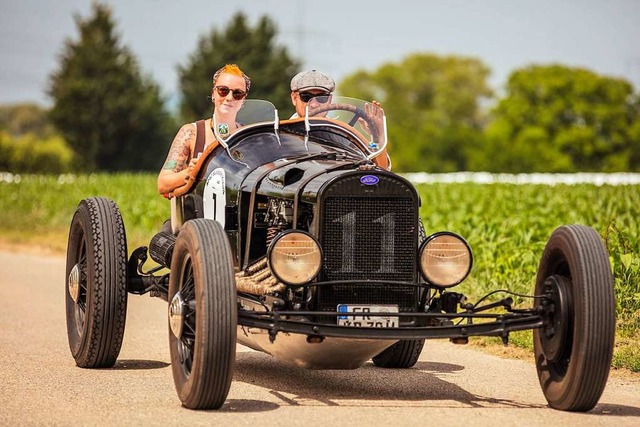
506, 225
38, 210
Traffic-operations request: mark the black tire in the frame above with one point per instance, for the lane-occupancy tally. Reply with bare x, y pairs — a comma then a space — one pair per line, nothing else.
573, 350
402, 355
202, 288
96, 283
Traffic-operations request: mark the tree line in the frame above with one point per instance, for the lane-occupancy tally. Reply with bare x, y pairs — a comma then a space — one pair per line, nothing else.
108, 115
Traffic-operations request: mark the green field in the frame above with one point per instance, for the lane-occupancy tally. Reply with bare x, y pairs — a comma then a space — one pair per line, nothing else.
506, 225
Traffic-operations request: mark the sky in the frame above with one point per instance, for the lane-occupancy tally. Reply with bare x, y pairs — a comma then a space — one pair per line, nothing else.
336, 36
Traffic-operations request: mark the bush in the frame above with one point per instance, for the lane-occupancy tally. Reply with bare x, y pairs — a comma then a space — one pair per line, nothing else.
6, 150
31, 154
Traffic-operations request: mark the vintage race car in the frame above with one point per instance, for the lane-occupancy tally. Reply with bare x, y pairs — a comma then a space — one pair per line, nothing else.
294, 240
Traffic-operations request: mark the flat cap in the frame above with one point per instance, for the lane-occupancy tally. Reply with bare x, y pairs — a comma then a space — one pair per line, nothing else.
312, 79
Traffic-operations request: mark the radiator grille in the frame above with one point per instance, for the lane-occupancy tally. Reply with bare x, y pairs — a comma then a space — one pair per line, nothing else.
369, 238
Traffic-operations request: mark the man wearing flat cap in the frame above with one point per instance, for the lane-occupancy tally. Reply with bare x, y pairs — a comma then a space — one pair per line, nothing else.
315, 87
306, 86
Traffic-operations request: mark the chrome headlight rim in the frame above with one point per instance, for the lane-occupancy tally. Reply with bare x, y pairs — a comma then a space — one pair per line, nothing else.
272, 246
429, 239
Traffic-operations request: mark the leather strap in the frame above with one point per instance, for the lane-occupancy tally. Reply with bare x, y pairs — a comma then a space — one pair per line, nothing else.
200, 138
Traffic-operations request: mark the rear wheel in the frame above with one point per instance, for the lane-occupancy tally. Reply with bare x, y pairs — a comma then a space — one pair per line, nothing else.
403, 354
96, 283
574, 348
202, 315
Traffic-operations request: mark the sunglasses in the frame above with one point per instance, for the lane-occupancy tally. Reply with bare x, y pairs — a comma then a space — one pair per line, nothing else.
307, 96
223, 91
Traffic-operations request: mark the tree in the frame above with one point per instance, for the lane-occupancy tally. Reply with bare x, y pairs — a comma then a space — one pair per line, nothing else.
559, 119
111, 116
433, 108
29, 143
30, 153
253, 49
21, 119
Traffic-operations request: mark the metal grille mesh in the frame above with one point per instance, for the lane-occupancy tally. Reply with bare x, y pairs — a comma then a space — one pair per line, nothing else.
369, 239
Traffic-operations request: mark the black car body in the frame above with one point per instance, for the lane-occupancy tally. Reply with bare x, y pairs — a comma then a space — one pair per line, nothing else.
293, 241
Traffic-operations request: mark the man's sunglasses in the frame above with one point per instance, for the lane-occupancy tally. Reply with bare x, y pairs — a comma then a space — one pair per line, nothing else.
223, 91
308, 96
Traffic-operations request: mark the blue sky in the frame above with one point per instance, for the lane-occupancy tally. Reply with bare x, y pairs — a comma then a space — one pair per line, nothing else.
338, 37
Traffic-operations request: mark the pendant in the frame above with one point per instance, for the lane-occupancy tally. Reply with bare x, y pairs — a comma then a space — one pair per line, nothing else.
223, 129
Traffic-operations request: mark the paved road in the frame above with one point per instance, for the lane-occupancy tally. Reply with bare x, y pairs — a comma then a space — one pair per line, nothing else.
40, 384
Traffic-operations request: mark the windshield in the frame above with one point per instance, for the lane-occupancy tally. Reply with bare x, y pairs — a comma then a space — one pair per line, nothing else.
256, 111
365, 118
252, 111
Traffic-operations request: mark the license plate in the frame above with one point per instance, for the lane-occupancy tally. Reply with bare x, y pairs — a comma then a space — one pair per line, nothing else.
365, 320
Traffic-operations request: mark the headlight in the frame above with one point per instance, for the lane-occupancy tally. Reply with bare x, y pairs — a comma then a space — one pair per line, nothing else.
294, 257
445, 259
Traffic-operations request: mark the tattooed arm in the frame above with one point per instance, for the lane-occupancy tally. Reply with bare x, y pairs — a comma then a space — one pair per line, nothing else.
176, 167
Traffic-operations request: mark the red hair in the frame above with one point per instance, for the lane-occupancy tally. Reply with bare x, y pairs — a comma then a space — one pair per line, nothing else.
236, 71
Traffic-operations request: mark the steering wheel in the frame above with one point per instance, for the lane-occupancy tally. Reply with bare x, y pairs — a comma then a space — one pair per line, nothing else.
358, 113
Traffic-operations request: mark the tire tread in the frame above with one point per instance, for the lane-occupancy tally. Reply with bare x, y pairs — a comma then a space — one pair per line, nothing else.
107, 292
581, 386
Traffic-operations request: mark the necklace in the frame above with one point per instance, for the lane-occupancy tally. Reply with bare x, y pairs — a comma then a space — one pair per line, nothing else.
221, 129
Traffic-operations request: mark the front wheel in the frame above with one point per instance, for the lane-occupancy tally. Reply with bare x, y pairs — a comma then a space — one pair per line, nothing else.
96, 283
202, 315
573, 349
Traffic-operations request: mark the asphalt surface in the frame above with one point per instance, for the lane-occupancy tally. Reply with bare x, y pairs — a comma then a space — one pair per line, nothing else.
450, 385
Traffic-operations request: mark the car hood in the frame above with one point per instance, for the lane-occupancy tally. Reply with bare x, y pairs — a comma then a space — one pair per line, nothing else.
287, 178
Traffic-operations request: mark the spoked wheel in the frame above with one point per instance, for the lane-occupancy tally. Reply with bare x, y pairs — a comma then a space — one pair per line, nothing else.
573, 349
202, 315
96, 283
405, 353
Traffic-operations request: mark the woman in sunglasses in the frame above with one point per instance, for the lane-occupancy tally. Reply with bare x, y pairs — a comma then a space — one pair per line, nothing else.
230, 88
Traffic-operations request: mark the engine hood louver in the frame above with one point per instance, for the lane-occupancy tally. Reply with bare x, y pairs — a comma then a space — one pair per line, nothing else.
286, 176
285, 181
